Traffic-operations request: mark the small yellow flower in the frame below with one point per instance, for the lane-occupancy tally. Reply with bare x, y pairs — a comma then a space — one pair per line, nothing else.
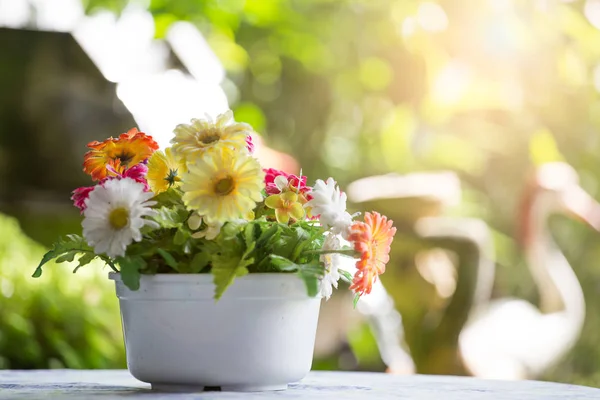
163, 171
203, 136
224, 185
286, 206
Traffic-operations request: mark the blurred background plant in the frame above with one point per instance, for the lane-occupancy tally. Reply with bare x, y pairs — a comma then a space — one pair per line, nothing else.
350, 88
61, 321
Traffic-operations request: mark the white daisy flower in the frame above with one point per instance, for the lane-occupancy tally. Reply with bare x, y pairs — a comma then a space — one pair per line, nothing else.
331, 263
115, 214
330, 204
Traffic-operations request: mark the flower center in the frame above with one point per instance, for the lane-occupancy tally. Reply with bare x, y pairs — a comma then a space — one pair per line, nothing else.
172, 177
125, 158
209, 137
119, 218
224, 186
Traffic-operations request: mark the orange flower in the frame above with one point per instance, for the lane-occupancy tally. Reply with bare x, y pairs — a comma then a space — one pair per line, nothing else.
129, 149
372, 239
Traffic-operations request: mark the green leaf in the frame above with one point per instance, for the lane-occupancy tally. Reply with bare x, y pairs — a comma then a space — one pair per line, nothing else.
266, 235
199, 262
311, 275
71, 244
169, 259
130, 270
229, 262
282, 263
225, 269
170, 197
311, 282
69, 256
232, 228
303, 239
170, 217
47, 257
345, 275
249, 236
356, 298
84, 260
181, 236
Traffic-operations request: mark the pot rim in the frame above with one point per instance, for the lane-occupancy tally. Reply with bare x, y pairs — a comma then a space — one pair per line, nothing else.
178, 277
200, 287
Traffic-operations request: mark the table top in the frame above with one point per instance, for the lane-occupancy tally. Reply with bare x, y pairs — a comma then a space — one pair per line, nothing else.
119, 384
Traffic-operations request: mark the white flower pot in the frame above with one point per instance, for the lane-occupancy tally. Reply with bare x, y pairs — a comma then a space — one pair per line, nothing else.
259, 336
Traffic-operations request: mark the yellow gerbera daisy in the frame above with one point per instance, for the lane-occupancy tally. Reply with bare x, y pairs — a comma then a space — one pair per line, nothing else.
223, 185
203, 136
163, 171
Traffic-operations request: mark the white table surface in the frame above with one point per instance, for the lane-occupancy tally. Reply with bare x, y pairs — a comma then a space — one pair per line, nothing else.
119, 384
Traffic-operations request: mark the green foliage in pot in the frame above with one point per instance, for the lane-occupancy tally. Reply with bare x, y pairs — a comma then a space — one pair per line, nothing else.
206, 205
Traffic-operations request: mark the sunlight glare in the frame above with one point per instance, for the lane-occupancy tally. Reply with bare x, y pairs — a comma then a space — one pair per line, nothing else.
592, 12
409, 27
159, 102
124, 47
14, 13
57, 15
432, 17
451, 83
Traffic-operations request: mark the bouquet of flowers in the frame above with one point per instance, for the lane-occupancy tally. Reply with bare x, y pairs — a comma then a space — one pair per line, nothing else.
205, 205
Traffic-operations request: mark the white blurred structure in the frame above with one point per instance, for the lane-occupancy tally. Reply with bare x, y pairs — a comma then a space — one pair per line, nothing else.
511, 338
443, 189
158, 98
126, 53
508, 338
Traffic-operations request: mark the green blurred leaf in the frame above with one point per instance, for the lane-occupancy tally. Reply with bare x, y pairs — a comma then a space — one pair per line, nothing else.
345, 275
543, 148
251, 114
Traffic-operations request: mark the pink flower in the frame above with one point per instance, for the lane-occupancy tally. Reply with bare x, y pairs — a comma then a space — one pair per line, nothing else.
295, 183
270, 175
137, 173
80, 195
249, 144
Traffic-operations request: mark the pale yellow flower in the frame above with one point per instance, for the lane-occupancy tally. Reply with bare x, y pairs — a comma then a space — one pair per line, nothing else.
210, 231
224, 185
202, 136
211, 228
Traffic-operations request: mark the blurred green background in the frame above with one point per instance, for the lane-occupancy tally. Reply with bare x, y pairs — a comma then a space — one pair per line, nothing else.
487, 89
